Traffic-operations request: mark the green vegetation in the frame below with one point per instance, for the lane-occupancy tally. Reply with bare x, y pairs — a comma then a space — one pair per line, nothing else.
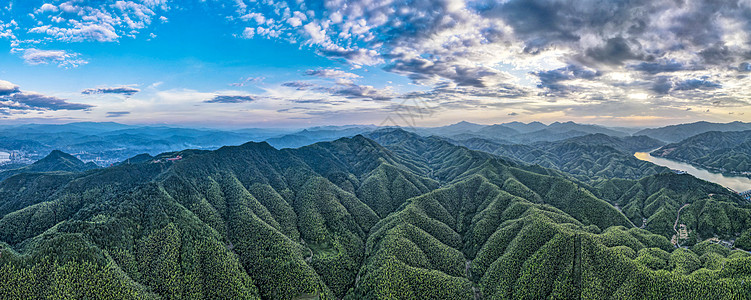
592, 157
728, 152
396, 216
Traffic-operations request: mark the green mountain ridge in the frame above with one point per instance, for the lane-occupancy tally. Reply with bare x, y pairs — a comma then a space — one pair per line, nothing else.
728, 152
587, 158
385, 215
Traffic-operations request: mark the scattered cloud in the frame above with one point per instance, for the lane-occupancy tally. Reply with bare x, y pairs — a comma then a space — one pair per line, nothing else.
11, 97
231, 99
34, 101
299, 85
116, 114
248, 80
61, 58
121, 90
331, 74
354, 91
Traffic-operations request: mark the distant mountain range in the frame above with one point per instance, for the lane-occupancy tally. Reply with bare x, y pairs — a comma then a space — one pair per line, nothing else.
517, 132
108, 143
677, 133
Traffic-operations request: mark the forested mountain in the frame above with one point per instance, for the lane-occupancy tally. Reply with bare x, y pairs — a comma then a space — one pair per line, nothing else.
56, 161
720, 151
517, 132
590, 157
677, 133
390, 215
314, 135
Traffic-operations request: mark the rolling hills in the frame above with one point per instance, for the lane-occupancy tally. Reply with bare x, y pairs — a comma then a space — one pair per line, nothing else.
587, 158
385, 215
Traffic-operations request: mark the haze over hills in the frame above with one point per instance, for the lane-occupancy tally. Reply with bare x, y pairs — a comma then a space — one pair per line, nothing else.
56, 161
389, 213
107, 143
677, 133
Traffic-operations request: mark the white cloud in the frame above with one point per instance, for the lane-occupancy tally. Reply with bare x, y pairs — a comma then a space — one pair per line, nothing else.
61, 58
249, 32
316, 33
331, 73
48, 8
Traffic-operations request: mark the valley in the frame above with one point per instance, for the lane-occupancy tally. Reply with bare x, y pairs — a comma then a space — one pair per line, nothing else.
385, 213
736, 183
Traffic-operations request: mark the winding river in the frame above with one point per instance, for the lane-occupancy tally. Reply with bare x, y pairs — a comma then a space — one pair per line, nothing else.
736, 183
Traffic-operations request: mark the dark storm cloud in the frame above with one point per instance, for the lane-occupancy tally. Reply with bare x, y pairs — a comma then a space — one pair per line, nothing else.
355, 91
121, 90
615, 51
422, 70
658, 67
662, 85
115, 114
696, 84
551, 80
717, 54
444, 92
31, 101
230, 99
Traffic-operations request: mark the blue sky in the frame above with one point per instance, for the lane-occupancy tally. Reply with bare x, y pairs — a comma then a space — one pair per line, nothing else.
272, 63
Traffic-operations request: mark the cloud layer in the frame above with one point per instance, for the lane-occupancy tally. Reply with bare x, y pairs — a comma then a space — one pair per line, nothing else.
12, 98
516, 58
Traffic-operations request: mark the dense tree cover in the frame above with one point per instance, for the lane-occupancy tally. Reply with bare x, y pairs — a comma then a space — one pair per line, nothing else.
396, 216
720, 151
587, 158
653, 202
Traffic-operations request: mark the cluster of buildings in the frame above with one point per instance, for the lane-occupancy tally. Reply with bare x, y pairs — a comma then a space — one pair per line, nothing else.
745, 195
176, 158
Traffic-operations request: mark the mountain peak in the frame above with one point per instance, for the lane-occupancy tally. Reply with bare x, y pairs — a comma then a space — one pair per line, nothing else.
57, 155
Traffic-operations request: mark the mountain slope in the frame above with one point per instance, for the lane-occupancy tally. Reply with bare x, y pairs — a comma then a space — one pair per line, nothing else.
587, 158
392, 215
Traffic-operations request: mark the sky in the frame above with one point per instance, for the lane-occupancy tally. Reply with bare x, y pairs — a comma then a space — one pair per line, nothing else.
298, 63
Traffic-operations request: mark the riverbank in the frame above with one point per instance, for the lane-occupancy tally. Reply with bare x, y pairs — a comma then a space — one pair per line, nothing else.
735, 183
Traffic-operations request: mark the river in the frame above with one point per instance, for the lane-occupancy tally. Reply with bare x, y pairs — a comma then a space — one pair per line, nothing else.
4, 157
736, 183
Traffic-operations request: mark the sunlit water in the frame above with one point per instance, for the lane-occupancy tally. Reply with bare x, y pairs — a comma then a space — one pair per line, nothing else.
737, 183
4, 156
